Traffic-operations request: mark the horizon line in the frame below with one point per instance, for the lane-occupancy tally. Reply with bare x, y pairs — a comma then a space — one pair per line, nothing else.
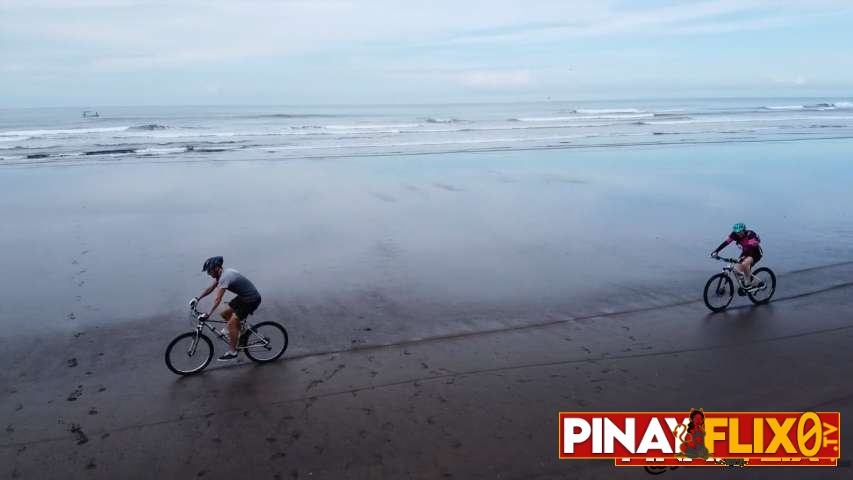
417, 104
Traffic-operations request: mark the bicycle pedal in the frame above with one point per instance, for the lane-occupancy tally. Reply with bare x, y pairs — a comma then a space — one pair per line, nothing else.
741, 291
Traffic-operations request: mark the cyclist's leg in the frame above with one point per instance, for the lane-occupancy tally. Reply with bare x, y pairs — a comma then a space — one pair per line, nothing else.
240, 309
233, 331
746, 268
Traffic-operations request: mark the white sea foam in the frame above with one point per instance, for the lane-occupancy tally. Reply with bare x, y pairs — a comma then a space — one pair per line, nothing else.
598, 111
743, 119
373, 127
627, 116
161, 151
787, 107
72, 131
466, 141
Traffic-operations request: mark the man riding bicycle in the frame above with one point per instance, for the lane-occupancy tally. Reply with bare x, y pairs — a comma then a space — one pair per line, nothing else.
239, 308
750, 245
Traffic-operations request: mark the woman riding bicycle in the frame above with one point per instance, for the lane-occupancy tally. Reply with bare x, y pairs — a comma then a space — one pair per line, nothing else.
750, 245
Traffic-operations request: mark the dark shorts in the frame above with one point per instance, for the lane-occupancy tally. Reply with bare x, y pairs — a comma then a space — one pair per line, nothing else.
243, 308
755, 253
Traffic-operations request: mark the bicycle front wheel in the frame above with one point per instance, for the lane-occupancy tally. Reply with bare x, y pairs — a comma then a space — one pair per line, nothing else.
264, 342
766, 277
719, 292
189, 353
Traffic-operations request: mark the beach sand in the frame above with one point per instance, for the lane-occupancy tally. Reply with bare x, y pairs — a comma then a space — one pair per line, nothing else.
442, 309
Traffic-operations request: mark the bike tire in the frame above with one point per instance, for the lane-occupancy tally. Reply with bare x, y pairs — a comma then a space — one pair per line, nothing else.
772, 286
260, 327
715, 284
180, 338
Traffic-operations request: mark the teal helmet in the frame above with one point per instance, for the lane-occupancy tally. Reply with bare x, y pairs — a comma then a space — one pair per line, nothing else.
738, 227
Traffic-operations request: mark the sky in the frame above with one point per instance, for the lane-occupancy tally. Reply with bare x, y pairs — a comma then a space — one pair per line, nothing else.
217, 52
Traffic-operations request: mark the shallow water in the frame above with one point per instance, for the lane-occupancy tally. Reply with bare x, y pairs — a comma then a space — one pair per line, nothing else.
430, 243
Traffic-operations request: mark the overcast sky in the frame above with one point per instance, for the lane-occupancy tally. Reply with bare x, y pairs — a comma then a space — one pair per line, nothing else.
136, 52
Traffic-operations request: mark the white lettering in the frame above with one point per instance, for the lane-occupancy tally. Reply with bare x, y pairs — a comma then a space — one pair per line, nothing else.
612, 432
570, 438
596, 435
655, 439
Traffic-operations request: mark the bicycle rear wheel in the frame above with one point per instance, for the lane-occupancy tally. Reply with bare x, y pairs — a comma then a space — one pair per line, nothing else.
189, 353
264, 342
719, 292
765, 293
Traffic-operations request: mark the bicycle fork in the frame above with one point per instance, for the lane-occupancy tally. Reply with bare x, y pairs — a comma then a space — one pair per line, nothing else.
194, 344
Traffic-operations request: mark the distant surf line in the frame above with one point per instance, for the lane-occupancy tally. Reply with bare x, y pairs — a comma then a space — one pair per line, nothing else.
118, 160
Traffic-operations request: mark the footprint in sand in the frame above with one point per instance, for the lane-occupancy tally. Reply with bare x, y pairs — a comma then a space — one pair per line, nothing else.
313, 384
81, 436
77, 393
72, 362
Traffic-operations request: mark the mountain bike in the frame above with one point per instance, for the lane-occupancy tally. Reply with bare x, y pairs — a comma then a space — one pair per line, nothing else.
189, 353
719, 291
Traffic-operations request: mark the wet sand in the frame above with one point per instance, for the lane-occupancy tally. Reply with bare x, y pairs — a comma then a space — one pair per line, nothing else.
409, 358
481, 405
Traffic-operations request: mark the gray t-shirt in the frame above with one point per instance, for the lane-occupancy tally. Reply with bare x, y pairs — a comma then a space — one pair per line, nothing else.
236, 283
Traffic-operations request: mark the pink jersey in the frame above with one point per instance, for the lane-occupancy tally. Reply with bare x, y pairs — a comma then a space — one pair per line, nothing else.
747, 240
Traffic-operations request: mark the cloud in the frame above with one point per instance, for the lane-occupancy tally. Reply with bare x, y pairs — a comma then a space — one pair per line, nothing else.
791, 81
496, 80
137, 34
357, 48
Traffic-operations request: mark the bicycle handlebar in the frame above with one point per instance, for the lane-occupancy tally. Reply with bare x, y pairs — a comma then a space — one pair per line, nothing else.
196, 314
725, 259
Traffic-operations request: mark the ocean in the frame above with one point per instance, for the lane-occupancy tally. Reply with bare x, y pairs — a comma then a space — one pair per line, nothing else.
63, 136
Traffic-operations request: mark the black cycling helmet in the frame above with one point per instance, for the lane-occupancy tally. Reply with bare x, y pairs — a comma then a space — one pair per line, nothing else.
211, 263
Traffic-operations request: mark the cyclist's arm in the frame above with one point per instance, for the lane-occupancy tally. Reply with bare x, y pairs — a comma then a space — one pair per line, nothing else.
209, 289
723, 245
216, 300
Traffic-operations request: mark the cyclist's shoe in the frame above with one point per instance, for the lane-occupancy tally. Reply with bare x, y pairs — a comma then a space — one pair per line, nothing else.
227, 356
